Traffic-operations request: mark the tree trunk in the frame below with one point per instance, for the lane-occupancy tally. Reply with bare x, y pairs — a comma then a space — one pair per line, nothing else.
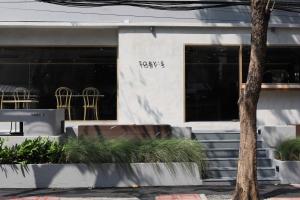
246, 183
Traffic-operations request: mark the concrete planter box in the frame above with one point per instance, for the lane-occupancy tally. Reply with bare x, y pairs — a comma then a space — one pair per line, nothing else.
99, 175
289, 171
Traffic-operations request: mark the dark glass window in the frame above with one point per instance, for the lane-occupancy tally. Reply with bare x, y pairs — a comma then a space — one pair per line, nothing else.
44, 69
282, 65
211, 83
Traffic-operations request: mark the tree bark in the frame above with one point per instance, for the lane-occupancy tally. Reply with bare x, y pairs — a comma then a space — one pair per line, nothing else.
246, 183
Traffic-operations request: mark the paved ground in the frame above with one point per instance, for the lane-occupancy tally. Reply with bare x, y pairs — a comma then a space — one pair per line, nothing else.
148, 193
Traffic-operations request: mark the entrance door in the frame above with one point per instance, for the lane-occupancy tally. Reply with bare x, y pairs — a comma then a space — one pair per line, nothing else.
211, 83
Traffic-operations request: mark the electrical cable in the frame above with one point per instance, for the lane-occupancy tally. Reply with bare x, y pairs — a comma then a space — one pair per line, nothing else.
282, 5
189, 5
179, 5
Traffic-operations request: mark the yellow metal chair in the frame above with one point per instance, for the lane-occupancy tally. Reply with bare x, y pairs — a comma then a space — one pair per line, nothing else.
21, 94
90, 101
1, 99
63, 99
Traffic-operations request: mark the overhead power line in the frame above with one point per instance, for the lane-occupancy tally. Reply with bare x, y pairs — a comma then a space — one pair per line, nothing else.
180, 5
18, 2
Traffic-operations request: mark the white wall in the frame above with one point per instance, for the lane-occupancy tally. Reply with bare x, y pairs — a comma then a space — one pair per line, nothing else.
157, 95
279, 107
36, 11
58, 37
147, 96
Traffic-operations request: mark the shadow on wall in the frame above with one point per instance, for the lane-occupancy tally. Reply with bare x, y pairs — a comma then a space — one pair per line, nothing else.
136, 83
289, 172
98, 175
131, 131
279, 107
145, 109
236, 14
278, 117
241, 15
150, 109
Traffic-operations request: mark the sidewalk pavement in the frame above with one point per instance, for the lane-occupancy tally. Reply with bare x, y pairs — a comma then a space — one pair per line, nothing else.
269, 192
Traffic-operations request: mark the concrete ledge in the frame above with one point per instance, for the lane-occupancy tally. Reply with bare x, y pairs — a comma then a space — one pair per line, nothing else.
36, 122
131, 131
100, 175
289, 171
181, 132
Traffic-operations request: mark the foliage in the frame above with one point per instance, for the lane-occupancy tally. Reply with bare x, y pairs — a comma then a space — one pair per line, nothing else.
289, 150
33, 151
98, 150
7, 155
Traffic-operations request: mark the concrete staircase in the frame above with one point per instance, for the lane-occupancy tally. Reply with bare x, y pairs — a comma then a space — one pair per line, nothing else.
222, 149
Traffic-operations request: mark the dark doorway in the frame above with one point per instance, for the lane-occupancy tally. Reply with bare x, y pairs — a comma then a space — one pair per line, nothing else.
211, 83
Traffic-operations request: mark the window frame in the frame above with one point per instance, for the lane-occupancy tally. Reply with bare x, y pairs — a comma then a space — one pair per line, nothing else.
269, 86
83, 46
185, 45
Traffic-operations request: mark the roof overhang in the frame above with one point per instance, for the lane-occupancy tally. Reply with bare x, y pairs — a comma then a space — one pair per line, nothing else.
128, 24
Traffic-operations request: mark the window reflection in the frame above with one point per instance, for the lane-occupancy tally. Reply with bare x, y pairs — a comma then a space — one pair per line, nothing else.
282, 65
211, 83
43, 70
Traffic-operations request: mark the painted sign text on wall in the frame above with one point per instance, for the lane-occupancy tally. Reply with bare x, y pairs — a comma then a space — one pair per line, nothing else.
152, 64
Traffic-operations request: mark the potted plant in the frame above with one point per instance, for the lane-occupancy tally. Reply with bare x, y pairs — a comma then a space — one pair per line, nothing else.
287, 161
95, 162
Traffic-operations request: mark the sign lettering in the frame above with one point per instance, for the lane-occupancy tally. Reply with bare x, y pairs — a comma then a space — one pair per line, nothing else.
152, 64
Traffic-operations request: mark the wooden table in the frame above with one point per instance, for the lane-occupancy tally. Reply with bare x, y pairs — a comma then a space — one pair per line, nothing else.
18, 101
80, 95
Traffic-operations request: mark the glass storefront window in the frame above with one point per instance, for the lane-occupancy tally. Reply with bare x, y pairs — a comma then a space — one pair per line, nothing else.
282, 65
42, 70
211, 83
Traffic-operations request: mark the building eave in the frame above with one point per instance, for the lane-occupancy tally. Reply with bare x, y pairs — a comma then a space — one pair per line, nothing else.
10, 24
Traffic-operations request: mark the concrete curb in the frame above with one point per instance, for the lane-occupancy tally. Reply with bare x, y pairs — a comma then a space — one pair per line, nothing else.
288, 171
99, 175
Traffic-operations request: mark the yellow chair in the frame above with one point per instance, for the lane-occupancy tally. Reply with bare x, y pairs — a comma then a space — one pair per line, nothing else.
63, 99
1, 99
90, 101
21, 94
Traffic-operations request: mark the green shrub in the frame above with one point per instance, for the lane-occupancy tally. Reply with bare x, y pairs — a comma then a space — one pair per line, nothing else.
97, 150
86, 151
289, 150
33, 151
7, 155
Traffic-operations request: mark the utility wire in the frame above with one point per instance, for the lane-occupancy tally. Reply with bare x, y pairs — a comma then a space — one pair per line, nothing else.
179, 5
122, 15
17, 2
217, 10
283, 5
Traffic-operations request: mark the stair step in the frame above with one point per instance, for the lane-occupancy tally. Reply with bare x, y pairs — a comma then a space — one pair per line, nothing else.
230, 153
232, 162
231, 181
226, 135
220, 172
199, 135
225, 143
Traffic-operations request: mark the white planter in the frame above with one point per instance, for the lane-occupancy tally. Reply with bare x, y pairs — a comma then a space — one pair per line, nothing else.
99, 175
289, 171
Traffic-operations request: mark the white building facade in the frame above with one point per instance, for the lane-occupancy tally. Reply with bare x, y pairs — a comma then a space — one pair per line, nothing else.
158, 78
